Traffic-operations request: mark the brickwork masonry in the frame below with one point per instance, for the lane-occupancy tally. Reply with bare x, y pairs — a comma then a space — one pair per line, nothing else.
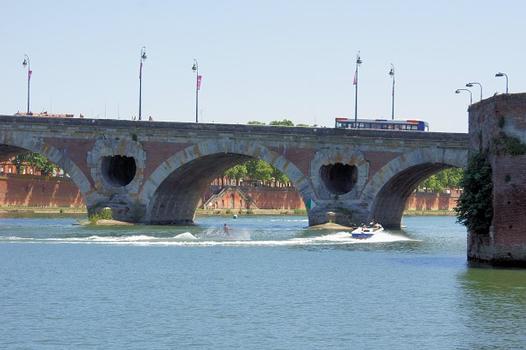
497, 125
53, 192
39, 191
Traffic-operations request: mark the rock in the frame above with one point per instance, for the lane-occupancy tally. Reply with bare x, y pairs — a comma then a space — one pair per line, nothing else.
330, 226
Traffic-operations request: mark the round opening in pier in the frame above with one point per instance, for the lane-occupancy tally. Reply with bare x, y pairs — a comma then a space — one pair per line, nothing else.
339, 178
118, 170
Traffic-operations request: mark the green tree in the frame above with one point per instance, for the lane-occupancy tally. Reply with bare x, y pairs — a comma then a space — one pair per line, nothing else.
256, 169
279, 176
237, 172
259, 170
448, 178
35, 160
284, 122
255, 122
20, 160
433, 184
455, 176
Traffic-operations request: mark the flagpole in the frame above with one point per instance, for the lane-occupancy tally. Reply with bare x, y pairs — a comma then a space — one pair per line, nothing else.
358, 62
392, 74
143, 57
27, 62
195, 68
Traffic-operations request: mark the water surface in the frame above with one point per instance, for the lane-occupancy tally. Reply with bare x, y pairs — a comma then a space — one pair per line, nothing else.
271, 283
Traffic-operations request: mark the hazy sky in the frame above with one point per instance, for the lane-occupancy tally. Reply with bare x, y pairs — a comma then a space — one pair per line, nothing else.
260, 60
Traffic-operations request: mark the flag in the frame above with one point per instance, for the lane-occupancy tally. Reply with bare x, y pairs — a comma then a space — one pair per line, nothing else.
199, 77
355, 80
140, 71
29, 72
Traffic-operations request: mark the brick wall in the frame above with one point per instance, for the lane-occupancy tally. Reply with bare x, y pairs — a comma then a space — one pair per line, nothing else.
288, 198
432, 201
39, 191
253, 197
509, 200
276, 198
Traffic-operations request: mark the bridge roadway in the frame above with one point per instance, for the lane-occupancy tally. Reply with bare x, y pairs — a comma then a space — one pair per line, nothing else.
156, 172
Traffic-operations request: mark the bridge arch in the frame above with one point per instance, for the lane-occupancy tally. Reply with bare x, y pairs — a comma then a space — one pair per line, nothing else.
12, 144
172, 191
388, 190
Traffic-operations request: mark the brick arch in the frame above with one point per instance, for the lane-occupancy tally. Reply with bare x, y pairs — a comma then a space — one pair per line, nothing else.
37, 145
210, 159
387, 191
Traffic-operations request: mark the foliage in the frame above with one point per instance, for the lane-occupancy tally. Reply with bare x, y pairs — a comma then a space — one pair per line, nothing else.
475, 209
237, 172
509, 145
259, 170
298, 211
256, 169
103, 214
284, 122
279, 176
448, 178
35, 160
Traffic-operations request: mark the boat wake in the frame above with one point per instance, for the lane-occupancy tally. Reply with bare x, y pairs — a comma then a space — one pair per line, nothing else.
213, 237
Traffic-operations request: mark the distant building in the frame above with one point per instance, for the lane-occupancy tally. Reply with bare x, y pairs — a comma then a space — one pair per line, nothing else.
9, 167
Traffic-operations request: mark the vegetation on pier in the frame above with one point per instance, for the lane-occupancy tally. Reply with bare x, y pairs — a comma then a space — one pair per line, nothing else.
475, 208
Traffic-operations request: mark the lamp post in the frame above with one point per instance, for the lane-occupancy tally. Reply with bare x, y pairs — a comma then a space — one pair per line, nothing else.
500, 74
457, 91
143, 58
475, 83
195, 68
355, 82
392, 74
27, 63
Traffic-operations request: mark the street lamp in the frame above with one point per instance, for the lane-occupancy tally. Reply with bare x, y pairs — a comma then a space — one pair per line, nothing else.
500, 74
392, 74
475, 83
457, 91
143, 58
195, 68
355, 82
27, 63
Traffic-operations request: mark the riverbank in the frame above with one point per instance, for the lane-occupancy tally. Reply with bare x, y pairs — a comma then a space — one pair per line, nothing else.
429, 213
21, 211
231, 212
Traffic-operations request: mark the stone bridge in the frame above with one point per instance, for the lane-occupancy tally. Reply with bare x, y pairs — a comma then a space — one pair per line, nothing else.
155, 172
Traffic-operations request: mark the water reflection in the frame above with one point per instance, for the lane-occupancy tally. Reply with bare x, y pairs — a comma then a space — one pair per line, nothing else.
493, 305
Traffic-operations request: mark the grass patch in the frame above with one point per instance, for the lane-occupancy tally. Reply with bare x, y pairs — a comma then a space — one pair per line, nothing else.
103, 214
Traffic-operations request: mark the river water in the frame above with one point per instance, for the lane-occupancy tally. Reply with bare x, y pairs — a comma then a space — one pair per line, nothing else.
270, 284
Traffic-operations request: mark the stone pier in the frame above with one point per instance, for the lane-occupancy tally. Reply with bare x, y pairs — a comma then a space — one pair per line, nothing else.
498, 126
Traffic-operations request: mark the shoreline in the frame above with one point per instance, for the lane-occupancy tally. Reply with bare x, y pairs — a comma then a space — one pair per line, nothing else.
29, 212
20, 211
